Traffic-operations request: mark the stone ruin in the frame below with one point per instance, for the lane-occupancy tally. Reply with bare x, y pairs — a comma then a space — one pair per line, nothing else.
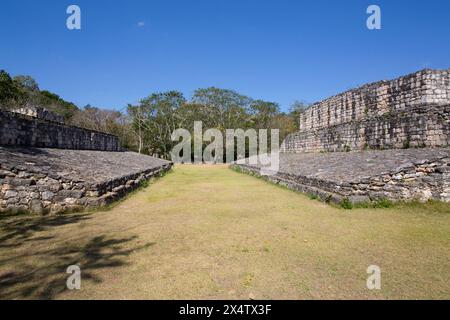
40, 128
40, 113
47, 166
384, 140
411, 111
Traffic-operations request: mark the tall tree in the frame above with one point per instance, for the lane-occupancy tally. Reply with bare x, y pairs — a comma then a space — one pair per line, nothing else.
26, 82
297, 108
227, 107
10, 95
154, 120
262, 113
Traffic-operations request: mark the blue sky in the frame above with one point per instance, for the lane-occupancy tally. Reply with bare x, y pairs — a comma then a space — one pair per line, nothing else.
275, 50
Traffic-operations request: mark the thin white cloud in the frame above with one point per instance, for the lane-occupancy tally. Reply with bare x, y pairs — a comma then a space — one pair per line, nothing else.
141, 24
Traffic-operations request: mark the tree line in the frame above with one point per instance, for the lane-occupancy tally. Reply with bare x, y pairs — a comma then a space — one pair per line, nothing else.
146, 127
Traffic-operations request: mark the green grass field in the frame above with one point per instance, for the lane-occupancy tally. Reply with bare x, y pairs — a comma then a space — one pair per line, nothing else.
211, 233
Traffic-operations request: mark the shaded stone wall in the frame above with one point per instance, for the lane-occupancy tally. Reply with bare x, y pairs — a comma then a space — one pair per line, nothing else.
376, 115
25, 130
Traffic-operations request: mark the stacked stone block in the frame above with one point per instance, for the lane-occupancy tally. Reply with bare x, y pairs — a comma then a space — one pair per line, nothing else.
422, 179
405, 119
411, 111
41, 113
49, 167
17, 129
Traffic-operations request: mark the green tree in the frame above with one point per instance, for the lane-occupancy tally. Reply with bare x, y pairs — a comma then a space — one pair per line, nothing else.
24, 91
55, 103
26, 82
154, 120
10, 96
297, 108
103, 120
262, 113
227, 108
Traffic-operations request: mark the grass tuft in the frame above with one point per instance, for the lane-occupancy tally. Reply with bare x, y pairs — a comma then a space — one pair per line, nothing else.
346, 204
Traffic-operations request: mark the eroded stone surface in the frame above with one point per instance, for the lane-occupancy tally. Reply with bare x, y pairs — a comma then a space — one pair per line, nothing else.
408, 174
56, 180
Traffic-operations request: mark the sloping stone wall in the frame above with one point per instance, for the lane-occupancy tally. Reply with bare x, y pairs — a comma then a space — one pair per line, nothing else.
398, 175
54, 181
383, 114
396, 136
49, 167
24, 130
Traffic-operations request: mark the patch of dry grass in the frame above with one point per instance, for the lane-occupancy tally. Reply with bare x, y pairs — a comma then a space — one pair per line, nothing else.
209, 232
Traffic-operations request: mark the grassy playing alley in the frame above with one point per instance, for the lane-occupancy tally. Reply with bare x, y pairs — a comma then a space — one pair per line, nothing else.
209, 232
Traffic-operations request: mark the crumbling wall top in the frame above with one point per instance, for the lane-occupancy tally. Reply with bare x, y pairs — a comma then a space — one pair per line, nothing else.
40, 113
374, 99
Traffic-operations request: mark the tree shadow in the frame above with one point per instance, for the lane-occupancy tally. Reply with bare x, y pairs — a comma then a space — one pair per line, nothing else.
16, 230
41, 273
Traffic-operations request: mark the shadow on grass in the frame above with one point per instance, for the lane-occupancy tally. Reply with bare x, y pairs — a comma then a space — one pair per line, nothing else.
40, 272
15, 230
